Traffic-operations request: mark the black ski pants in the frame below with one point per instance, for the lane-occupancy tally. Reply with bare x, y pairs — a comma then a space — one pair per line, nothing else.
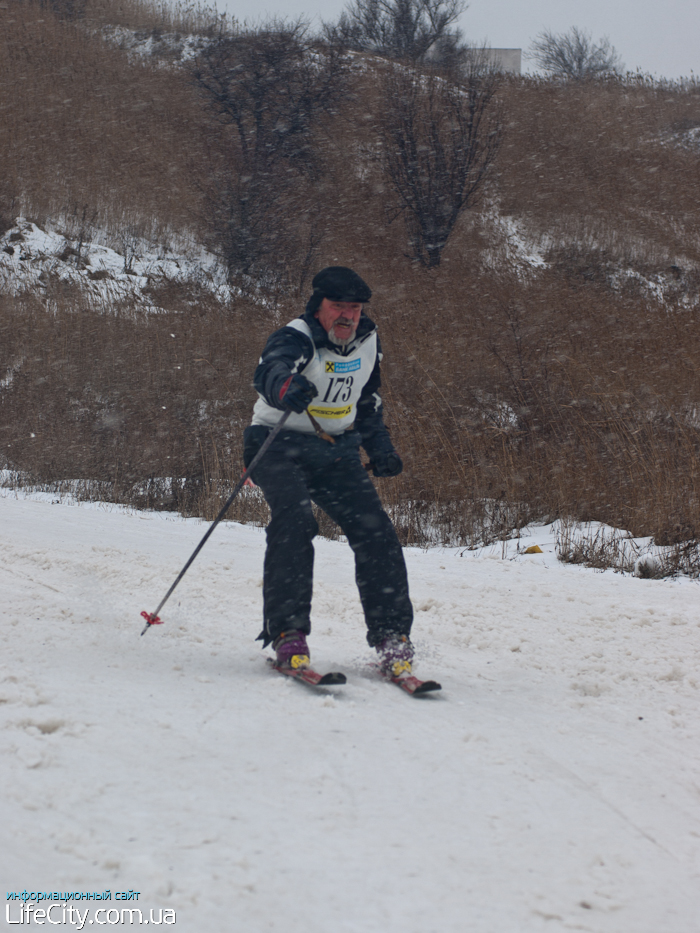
299, 469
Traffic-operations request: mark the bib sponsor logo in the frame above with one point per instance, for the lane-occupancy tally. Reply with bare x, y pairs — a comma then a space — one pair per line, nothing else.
323, 412
347, 366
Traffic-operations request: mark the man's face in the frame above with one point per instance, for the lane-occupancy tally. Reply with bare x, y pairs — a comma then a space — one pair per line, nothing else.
339, 319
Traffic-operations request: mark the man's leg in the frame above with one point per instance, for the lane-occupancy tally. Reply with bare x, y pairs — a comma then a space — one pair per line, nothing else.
289, 558
345, 492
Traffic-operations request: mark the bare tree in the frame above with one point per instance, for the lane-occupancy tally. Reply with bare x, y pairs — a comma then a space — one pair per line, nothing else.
66, 9
573, 54
403, 29
440, 138
268, 89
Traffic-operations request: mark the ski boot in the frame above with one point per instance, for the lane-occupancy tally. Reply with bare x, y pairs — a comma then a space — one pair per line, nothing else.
291, 650
395, 656
395, 665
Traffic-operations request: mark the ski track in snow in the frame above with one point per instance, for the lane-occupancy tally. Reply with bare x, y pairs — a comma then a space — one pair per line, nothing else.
553, 785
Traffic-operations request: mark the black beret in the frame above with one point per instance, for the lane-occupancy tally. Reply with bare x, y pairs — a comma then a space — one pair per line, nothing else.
338, 283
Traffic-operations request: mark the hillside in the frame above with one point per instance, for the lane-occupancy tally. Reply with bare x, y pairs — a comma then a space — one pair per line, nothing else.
548, 366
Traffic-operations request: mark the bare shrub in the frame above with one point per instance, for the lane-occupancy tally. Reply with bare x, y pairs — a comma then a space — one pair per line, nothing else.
682, 559
573, 54
613, 549
8, 204
268, 89
440, 136
410, 30
601, 548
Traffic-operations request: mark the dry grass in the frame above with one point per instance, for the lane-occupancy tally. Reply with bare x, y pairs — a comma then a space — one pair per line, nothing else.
604, 548
86, 133
512, 393
127, 399
157, 16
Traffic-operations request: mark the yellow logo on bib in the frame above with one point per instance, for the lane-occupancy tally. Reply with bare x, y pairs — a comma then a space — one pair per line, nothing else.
330, 367
319, 412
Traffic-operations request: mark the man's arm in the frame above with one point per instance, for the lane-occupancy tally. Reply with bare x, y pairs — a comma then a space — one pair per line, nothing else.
370, 424
286, 352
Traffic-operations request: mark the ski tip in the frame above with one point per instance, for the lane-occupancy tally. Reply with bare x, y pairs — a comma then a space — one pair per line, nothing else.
428, 686
413, 686
332, 678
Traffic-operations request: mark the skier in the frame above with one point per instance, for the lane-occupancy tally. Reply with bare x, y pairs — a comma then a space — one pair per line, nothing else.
324, 367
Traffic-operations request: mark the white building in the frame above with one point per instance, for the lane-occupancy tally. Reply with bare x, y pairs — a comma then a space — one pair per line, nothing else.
508, 60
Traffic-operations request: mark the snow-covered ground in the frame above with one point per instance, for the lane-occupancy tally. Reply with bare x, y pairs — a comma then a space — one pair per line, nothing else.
168, 47
31, 257
553, 785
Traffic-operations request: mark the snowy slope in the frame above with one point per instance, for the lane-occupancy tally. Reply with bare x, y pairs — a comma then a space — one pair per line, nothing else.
553, 785
30, 258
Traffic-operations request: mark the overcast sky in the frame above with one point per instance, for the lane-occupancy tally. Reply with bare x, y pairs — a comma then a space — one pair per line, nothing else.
661, 37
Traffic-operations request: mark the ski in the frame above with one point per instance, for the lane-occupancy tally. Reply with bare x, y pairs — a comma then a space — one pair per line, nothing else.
309, 676
413, 685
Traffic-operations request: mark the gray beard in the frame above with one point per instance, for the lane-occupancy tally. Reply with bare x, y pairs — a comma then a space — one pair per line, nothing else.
338, 341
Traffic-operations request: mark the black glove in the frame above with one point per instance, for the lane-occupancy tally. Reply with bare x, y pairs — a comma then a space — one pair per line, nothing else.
297, 393
387, 464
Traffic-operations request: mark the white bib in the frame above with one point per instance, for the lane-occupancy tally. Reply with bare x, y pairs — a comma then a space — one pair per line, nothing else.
339, 380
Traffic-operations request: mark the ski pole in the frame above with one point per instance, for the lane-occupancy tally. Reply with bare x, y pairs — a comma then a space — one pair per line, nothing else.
152, 617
